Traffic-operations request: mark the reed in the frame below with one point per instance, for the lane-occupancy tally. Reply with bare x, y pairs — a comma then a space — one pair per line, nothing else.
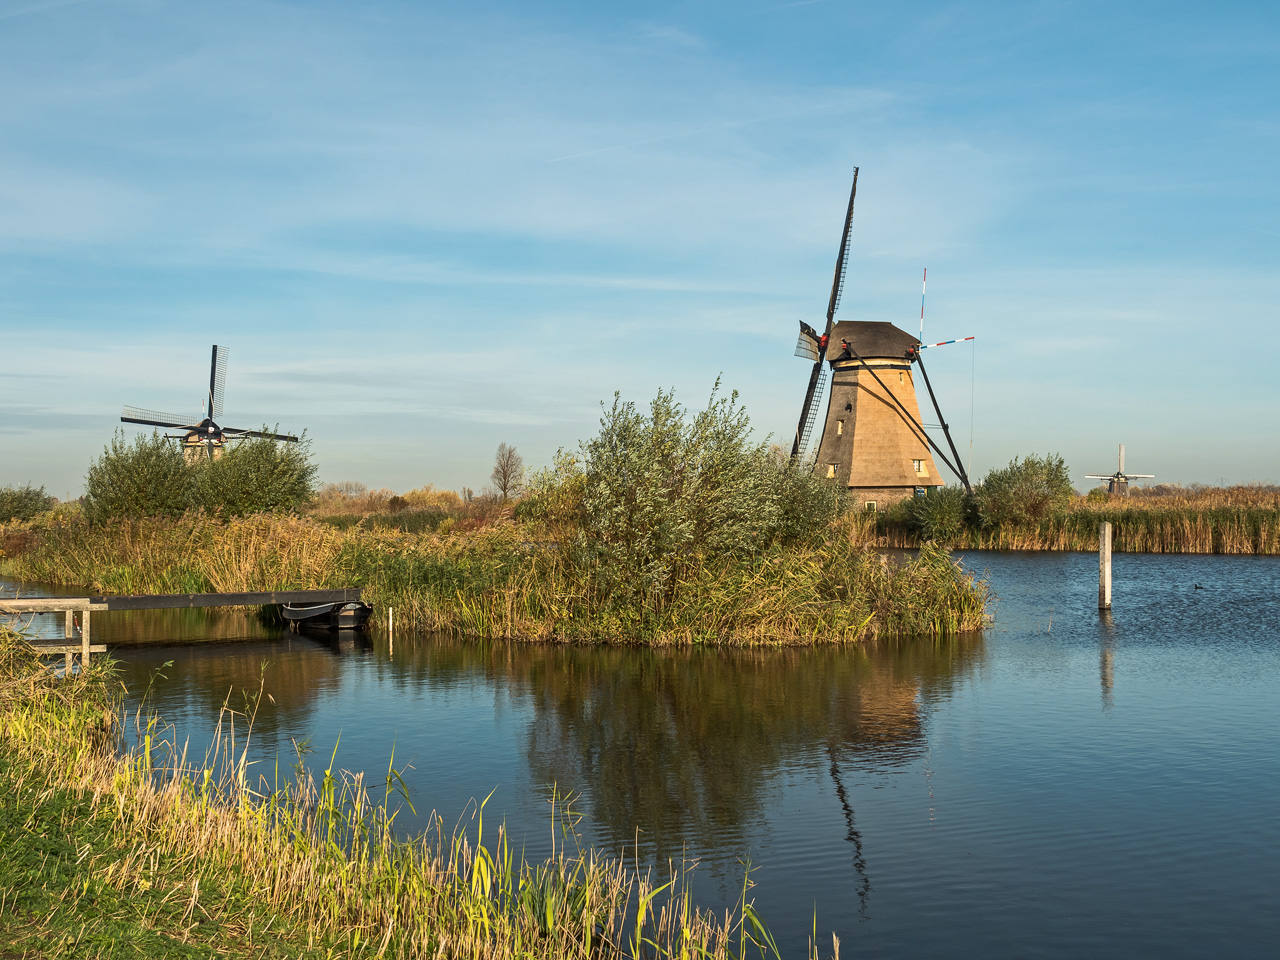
1168, 519
498, 582
311, 867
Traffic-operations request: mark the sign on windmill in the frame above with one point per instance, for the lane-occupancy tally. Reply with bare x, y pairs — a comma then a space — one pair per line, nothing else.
1118, 482
204, 436
872, 440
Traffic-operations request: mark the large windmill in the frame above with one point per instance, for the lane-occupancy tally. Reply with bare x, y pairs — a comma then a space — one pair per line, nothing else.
1118, 482
204, 436
872, 441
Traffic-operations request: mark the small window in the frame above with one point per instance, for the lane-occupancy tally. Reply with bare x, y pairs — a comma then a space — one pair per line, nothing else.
831, 470
920, 492
919, 465
871, 506
839, 428
900, 380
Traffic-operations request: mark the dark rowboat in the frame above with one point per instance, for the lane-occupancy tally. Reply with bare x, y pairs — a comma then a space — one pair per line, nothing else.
334, 616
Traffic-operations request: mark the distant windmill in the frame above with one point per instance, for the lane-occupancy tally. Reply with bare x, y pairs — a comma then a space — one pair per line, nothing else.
873, 441
204, 435
1118, 482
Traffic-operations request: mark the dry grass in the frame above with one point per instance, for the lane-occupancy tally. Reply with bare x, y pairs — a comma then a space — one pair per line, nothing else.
495, 583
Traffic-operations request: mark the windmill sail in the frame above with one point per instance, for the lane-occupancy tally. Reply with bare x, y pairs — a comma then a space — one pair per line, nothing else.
155, 418
217, 381
817, 378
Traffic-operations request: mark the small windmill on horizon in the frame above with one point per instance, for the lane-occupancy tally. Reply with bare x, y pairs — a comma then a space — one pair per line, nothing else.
203, 436
1118, 482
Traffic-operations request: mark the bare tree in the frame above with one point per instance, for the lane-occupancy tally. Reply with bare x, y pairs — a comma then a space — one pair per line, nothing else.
508, 471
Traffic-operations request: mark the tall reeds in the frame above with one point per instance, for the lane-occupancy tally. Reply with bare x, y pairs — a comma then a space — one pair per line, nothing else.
497, 583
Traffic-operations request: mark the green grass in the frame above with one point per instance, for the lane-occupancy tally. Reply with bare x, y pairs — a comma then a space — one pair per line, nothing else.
64, 892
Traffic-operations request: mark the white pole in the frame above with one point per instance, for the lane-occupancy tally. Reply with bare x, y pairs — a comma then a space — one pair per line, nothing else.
391, 628
1104, 566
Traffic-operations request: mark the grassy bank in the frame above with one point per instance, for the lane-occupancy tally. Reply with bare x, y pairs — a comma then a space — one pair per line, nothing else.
1167, 519
112, 852
501, 582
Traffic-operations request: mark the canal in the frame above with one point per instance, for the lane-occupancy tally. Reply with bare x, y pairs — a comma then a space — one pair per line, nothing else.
1061, 785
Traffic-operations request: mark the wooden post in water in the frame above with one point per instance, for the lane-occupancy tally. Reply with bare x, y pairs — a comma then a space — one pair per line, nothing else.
391, 629
84, 641
68, 631
1104, 566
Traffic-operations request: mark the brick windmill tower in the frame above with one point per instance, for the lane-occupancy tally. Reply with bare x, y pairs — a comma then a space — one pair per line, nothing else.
872, 440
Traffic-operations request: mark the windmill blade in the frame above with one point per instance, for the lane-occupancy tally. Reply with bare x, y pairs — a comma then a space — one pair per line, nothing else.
1141, 476
154, 418
232, 434
1097, 476
217, 381
842, 259
817, 378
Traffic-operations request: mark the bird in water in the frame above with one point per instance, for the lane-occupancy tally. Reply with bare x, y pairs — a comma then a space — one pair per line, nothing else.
1198, 587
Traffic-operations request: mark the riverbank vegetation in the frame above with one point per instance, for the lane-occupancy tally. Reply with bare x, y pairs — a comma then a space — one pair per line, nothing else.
1029, 505
666, 527
113, 850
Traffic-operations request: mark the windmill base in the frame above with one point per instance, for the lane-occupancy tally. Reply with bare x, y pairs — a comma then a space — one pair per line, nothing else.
880, 498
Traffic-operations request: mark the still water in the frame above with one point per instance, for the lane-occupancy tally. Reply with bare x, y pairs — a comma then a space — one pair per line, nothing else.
1061, 785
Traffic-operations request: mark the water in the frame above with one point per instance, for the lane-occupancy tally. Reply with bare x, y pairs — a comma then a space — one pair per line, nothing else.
1062, 785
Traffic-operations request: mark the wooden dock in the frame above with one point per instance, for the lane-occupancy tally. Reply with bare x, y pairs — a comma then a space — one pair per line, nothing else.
83, 607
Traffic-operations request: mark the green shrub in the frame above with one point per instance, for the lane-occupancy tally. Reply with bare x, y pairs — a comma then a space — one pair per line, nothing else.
656, 493
148, 477
1025, 491
23, 503
254, 475
152, 477
941, 515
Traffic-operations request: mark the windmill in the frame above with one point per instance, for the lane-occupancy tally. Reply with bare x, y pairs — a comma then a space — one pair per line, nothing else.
1118, 482
872, 441
204, 436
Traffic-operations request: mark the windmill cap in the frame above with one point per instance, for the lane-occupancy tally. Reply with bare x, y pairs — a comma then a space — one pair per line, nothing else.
873, 340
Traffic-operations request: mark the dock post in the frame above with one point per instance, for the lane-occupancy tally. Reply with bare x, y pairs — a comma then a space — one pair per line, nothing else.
84, 640
1104, 565
68, 632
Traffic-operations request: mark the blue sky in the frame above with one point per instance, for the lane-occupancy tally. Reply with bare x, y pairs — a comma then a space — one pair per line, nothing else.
423, 230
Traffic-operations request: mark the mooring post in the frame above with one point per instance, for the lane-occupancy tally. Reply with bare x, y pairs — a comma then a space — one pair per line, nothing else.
1104, 566
68, 631
84, 640
391, 629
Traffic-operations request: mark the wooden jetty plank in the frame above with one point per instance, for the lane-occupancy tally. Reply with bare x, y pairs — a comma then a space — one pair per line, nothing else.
50, 605
49, 649
180, 601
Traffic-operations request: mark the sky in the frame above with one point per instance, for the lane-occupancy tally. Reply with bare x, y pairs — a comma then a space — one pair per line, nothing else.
426, 229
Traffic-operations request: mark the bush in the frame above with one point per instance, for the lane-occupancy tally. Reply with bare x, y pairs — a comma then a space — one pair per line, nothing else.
940, 515
1026, 491
654, 494
23, 503
146, 478
254, 475
152, 477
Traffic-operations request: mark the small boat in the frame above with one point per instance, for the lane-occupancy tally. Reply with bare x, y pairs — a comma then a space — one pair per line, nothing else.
334, 616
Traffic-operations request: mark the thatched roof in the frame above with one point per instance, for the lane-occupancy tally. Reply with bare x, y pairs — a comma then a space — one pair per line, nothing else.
871, 339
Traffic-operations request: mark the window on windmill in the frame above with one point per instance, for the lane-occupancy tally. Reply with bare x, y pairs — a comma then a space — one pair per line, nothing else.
900, 378
919, 465
839, 428
831, 470
871, 506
